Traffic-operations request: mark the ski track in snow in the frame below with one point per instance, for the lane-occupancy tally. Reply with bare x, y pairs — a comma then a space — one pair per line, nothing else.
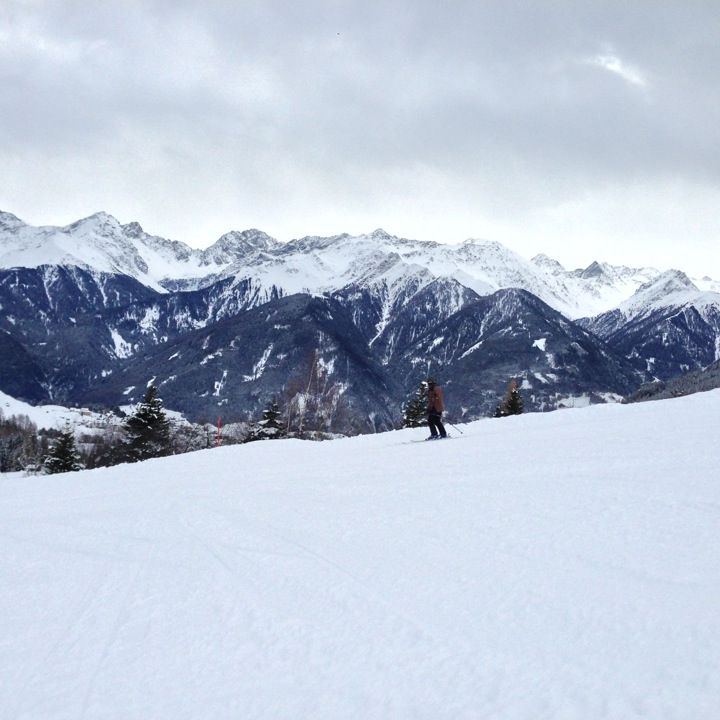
547, 566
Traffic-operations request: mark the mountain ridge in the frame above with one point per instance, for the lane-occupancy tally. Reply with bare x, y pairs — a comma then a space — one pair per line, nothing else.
311, 263
99, 317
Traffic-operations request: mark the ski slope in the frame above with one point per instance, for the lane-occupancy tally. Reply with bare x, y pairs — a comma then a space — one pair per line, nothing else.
561, 566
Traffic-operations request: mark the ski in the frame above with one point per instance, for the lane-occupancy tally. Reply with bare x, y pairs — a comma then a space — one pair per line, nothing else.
447, 437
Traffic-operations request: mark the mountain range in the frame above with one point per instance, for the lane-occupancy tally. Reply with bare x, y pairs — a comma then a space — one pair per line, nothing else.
94, 311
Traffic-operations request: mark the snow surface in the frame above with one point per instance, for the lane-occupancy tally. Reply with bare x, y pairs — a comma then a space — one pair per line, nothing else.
562, 566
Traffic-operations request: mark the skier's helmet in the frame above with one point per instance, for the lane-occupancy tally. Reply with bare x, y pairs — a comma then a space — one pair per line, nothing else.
431, 382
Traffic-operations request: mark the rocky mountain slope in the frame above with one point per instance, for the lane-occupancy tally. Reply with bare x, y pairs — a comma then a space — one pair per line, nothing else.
707, 378
668, 327
93, 311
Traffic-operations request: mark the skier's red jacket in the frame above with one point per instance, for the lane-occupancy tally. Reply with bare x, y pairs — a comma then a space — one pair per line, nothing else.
435, 399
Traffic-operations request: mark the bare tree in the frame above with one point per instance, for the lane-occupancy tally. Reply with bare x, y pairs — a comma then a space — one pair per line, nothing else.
314, 401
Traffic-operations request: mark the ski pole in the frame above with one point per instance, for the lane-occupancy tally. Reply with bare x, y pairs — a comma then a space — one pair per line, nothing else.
455, 426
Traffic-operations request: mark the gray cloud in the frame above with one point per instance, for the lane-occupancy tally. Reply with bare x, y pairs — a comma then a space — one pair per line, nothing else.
580, 129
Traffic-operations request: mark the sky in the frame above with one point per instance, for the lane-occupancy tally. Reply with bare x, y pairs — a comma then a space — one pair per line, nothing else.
583, 130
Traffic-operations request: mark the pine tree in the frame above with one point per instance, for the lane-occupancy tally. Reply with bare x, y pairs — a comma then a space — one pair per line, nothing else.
147, 431
500, 411
512, 403
64, 456
415, 412
270, 427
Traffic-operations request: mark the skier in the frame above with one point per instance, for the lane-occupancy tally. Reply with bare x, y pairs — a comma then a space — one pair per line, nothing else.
435, 409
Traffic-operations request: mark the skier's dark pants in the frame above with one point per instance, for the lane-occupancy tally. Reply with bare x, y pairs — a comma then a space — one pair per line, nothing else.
435, 424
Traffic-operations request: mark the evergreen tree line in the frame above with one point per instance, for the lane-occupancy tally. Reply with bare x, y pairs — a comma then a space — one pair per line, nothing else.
21, 445
148, 433
314, 405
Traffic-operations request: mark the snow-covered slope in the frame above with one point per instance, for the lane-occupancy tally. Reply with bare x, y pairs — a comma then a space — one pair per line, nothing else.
45, 416
80, 420
579, 578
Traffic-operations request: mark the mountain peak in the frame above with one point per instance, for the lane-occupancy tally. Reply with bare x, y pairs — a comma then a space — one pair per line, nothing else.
237, 245
671, 288
490, 251
133, 229
96, 220
547, 263
668, 282
100, 216
483, 242
8, 221
245, 240
593, 270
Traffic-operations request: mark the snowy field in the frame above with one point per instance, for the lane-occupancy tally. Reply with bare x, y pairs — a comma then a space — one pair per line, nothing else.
46, 416
559, 566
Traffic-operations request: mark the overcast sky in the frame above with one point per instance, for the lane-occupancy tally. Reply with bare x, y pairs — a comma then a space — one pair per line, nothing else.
582, 130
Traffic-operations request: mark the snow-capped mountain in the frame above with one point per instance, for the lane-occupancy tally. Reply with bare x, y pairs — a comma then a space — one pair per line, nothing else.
99, 243
514, 334
93, 311
313, 264
671, 289
326, 264
669, 326
234, 366
598, 287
